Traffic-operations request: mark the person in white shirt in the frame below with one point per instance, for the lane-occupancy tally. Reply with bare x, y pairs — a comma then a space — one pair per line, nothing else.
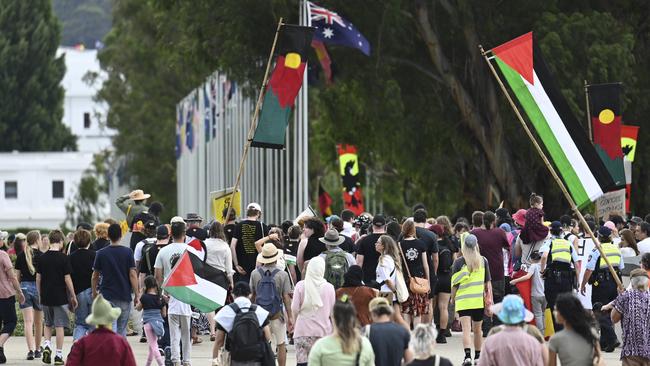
643, 234
179, 313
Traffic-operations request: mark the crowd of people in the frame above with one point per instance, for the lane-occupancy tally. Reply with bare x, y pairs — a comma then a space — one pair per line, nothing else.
347, 290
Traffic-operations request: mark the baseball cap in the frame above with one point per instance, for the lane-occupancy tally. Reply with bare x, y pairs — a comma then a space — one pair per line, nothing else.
379, 220
254, 206
176, 219
378, 302
556, 225
604, 231
471, 241
150, 224
162, 232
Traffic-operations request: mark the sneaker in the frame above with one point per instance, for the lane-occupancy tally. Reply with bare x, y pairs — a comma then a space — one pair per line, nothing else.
30, 355
38, 352
467, 362
447, 333
3, 359
440, 339
47, 355
58, 360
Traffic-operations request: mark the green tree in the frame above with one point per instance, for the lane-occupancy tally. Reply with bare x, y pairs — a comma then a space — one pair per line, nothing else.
424, 110
30, 90
84, 21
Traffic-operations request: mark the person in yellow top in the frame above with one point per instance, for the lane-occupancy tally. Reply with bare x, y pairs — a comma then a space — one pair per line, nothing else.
603, 289
472, 293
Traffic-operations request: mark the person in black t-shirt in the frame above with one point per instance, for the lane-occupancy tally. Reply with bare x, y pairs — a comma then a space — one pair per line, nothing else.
229, 223
26, 263
81, 263
310, 246
348, 244
367, 256
291, 243
242, 245
414, 255
101, 235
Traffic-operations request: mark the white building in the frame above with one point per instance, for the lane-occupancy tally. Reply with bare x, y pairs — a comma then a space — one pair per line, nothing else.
35, 186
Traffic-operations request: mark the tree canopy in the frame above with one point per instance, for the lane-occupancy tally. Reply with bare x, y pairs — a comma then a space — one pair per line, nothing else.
427, 116
32, 98
84, 21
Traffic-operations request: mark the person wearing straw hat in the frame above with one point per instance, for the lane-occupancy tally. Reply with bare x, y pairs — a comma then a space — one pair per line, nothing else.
273, 301
512, 345
133, 204
102, 346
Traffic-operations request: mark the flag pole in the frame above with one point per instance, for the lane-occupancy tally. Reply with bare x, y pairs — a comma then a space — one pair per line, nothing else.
591, 134
253, 124
551, 169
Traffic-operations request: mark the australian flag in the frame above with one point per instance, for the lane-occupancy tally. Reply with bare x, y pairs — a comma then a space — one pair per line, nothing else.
331, 28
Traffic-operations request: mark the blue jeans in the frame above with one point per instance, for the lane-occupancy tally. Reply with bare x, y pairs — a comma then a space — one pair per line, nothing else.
119, 325
85, 300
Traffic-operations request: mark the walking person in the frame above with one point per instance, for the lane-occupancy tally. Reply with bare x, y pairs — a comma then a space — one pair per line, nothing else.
178, 313
430, 240
628, 244
56, 292
359, 294
10, 290
310, 246
313, 299
242, 245
337, 261
422, 345
31, 309
367, 255
81, 263
101, 236
577, 343
218, 256
414, 258
389, 263
537, 295
102, 345
272, 291
346, 346
442, 292
390, 340
116, 267
471, 293
153, 310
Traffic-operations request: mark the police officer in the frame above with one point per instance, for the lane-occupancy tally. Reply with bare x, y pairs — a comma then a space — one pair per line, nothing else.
558, 262
603, 288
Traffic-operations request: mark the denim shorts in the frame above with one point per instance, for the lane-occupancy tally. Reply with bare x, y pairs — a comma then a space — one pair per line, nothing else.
31, 296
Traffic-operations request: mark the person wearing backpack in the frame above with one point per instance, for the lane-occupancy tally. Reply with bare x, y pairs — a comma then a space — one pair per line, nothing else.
272, 291
247, 328
337, 261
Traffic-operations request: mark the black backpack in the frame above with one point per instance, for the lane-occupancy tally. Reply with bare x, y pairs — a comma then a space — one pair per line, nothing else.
445, 260
247, 342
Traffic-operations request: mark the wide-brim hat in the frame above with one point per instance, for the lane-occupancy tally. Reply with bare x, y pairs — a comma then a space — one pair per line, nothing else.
269, 254
512, 311
102, 312
193, 217
138, 195
332, 238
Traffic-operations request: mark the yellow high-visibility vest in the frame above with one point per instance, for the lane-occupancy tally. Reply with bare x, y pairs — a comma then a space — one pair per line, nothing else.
561, 251
470, 288
613, 255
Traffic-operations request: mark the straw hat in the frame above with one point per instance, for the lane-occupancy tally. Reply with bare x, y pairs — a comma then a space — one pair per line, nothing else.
102, 312
270, 254
332, 238
138, 195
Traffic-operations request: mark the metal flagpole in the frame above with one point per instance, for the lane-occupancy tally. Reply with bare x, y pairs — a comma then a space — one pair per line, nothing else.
253, 124
568, 197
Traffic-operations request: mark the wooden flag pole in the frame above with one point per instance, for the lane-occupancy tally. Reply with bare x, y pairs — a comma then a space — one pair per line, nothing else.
253, 124
550, 167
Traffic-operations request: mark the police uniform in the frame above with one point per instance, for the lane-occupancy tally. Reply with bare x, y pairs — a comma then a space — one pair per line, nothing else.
559, 276
603, 287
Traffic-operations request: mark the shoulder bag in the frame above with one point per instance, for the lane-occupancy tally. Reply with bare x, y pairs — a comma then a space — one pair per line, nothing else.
417, 285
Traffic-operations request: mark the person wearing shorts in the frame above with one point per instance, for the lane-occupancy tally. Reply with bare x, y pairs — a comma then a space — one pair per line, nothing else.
26, 262
472, 293
55, 288
9, 290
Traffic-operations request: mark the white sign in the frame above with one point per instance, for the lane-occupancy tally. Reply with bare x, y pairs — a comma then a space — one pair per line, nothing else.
611, 202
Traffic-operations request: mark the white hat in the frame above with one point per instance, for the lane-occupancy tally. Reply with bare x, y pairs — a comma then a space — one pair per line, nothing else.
254, 206
176, 219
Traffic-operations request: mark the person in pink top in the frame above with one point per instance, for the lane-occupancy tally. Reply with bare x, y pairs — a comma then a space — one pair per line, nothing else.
313, 300
512, 345
9, 290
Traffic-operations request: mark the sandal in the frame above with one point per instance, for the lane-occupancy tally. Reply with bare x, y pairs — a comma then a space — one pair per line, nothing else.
197, 340
213, 337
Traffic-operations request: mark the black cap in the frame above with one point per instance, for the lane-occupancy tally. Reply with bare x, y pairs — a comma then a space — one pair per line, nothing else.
379, 220
150, 224
604, 231
162, 232
556, 225
85, 226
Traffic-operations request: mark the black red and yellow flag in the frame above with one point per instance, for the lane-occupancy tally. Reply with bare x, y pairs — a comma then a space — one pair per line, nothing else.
605, 109
349, 169
283, 86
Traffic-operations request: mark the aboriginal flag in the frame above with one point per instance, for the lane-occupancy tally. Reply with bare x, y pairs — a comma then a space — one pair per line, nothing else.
605, 109
283, 86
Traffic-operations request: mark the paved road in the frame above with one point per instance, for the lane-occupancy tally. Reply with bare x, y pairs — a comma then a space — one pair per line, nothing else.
15, 349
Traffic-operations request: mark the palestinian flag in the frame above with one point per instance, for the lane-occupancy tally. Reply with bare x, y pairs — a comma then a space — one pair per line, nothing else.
283, 86
575, 158
324, 202
605, 109
188, 282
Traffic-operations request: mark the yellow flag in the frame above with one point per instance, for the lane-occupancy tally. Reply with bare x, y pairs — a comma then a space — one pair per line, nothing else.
221, 199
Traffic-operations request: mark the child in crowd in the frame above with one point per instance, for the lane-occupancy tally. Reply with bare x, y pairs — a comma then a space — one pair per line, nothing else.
152, 317
534, 230
537, 297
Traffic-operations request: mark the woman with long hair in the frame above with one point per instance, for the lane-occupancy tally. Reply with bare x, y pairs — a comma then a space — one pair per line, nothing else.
313, 299
628, 244
577, 343
310, 246
346, 346
386, 274
218, 255
414, 255
472, 294
447, 253
422, 344
26, 263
